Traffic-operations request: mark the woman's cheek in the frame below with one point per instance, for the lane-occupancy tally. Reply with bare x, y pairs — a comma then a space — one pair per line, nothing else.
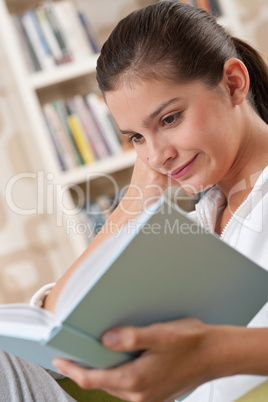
142, 155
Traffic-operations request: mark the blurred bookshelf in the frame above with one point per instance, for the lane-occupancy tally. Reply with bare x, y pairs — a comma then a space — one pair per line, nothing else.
225, 11
51, 52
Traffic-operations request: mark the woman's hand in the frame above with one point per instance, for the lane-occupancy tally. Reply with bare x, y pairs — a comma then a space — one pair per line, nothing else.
179, 356
146, 187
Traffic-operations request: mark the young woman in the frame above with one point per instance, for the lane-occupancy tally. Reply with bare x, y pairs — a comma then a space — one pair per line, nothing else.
194, 103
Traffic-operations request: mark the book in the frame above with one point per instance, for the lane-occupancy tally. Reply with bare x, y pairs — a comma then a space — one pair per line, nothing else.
91, 36
91, 130
215, 8
97, 129
63, 115
79, 135
25, 45
37, 39
103, 120
203, 4
49, 8
160, 266
73, 30
191, 2
49, 35
50, 123
98, 210
59, 136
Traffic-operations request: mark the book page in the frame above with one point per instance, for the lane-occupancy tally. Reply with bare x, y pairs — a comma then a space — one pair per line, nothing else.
22, 320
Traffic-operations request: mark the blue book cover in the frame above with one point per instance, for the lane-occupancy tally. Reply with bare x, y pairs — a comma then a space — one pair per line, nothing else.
160, 266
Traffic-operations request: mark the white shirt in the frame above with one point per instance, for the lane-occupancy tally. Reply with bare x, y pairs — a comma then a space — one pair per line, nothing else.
247, 232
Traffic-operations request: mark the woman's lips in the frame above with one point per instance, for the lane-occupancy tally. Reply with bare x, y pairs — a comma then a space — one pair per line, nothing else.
182, 170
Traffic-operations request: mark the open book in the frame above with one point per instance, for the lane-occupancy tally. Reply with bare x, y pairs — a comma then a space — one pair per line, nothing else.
161, 267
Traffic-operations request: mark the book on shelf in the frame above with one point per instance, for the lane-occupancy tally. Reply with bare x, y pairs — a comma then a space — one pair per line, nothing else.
89, 32
58, 51
37, 40
56, 29
191, 2
212, 6
94, 136
79, 135
102, 118
98, 210
83, 128
146, 272
215, 8
203, 4
60, 107
55, 33
73, 30
82, 226
49, 117
96, 218
125, 142
25, 45
97, 129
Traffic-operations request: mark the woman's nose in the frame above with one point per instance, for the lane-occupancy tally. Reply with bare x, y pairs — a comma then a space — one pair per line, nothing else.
160, 155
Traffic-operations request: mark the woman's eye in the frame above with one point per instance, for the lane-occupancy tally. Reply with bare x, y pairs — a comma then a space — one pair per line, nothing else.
169, 121
135, 138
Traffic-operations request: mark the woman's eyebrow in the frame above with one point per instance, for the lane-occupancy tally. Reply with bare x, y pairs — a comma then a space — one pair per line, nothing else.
127, 131
147, 121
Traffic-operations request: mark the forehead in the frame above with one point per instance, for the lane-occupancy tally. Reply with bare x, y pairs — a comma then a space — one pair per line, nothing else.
132, 89
139, 99
142, 94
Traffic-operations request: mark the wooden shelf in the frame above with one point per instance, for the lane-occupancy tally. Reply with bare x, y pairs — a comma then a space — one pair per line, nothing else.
83, 174
62, 73
17, 7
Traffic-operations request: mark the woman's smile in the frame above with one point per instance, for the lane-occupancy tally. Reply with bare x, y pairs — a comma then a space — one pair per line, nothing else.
184, 169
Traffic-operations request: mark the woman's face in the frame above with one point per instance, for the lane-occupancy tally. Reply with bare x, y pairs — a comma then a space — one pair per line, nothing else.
186, 131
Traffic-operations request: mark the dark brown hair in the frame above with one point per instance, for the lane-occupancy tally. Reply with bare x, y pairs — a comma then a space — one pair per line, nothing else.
181, 43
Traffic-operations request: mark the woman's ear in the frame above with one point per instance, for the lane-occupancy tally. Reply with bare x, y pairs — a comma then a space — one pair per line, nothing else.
236, 80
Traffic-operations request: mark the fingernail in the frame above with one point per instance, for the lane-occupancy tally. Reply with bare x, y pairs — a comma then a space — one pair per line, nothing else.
110, 338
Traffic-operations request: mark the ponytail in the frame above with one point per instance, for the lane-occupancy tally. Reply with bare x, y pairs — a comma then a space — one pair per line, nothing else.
258, 73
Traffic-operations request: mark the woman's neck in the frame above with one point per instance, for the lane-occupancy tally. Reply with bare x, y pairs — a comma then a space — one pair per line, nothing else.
251, 159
